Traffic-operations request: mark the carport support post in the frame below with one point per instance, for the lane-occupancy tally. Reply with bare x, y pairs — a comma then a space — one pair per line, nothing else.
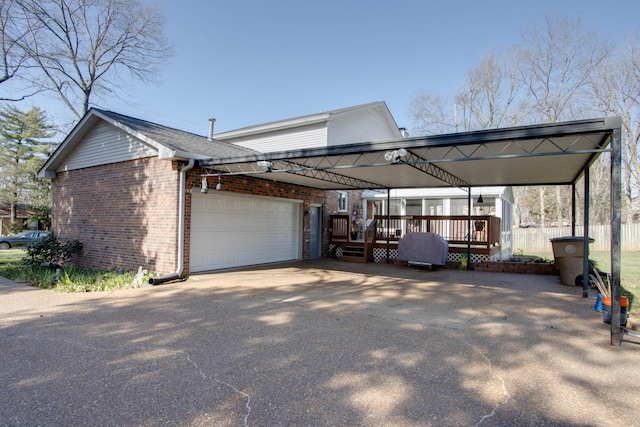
616, 203
469, 228
585, 234
573, 207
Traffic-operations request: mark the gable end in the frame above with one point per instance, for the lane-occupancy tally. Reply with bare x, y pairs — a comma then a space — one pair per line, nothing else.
105, 144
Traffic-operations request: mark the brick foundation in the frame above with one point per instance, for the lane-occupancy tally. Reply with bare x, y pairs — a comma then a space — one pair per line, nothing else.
517, 267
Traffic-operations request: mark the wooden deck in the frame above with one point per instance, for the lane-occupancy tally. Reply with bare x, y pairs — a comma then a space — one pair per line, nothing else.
384, 233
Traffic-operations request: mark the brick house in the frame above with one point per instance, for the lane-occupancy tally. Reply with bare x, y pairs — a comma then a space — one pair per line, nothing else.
22, 215
132, 192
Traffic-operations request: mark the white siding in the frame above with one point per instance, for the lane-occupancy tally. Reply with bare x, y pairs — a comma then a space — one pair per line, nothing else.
367, 125
287, 139
106, 144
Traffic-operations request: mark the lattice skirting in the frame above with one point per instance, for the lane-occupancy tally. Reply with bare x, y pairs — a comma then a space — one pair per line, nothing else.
455, 257
381, 254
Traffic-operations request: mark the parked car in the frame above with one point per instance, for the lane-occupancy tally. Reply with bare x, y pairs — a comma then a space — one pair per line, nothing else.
22, 239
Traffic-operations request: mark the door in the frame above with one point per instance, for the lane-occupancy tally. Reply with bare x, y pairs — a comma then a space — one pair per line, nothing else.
315, 232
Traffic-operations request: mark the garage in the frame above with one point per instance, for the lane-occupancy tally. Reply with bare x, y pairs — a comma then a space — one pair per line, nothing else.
236, 230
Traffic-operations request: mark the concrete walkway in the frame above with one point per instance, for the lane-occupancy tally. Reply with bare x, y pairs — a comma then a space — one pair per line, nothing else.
316, 343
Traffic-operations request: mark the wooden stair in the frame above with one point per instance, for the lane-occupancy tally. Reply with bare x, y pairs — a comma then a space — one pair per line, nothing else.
353, 254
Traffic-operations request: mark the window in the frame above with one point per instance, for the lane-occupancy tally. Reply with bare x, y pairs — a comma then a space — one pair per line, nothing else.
434, 207
414, 207
342, 201
459, 207
395, 207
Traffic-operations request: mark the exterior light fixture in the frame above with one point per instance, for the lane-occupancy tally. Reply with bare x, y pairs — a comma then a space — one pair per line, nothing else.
480, 199
395, 155
219, 184
265, 164
205, 185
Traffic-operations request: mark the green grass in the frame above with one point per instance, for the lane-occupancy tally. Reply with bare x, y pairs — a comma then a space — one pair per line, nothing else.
71, 279
629, 273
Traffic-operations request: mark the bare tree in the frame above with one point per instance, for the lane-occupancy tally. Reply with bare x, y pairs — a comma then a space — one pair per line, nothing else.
491, 95
557, 65
433, 114
489, 98
547, 77
85, 49
617, 92
14, 59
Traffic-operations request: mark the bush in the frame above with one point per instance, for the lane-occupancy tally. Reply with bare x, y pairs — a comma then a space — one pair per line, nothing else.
51, 251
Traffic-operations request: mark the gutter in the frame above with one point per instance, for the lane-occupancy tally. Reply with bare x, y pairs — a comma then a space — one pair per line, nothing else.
181, 213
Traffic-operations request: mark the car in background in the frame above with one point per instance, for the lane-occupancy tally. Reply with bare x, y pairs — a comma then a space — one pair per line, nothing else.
22, 239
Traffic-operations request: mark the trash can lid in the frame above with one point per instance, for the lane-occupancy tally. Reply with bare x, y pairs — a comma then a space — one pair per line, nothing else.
571, 239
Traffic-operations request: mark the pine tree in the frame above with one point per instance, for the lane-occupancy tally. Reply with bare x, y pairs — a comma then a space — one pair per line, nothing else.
23, 150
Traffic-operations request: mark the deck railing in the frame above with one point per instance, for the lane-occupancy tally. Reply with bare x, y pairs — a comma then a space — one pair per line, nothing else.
484, 229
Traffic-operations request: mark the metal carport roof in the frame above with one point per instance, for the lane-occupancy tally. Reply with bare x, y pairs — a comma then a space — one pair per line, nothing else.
549, 154
546, 154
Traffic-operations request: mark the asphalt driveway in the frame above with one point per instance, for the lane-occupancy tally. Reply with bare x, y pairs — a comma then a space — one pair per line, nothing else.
316, 343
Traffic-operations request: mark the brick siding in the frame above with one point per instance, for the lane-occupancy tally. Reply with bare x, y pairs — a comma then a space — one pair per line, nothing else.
126, 214
260, 187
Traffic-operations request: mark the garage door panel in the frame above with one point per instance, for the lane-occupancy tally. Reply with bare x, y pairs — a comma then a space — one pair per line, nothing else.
231, 231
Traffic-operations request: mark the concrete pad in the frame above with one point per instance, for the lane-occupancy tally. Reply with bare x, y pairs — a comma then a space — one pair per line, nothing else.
316, 343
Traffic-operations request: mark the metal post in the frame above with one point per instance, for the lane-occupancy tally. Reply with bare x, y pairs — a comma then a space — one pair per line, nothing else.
573, 208
585, 234
469, 229
616, 204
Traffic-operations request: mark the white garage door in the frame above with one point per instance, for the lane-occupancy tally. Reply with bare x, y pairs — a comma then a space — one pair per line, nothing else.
233, 231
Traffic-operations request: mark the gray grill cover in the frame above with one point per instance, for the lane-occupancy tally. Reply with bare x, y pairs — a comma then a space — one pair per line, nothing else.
423, 247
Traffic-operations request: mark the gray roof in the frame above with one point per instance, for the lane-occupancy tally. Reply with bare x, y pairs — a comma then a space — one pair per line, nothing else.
180, 140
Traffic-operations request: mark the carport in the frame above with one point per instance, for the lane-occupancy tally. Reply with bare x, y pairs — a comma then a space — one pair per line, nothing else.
546, 154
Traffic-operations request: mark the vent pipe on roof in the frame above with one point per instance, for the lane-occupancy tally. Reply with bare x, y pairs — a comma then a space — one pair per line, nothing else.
212, 120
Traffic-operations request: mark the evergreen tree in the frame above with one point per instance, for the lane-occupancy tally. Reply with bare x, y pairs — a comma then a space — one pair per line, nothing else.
23, 150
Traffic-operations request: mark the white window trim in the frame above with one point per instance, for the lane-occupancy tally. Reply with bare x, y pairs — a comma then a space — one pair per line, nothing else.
344, 194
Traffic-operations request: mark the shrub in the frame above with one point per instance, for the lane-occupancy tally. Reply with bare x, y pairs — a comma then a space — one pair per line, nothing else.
51, 251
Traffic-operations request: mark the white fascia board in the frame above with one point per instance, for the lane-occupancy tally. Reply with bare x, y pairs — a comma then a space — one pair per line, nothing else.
272, 127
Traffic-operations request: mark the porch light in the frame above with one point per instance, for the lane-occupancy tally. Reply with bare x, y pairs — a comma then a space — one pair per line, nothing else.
480, 199
219, 184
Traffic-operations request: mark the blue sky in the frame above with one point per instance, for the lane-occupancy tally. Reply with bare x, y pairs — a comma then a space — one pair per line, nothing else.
248, 62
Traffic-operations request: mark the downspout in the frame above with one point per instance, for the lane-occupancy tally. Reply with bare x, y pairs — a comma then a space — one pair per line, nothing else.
181, 213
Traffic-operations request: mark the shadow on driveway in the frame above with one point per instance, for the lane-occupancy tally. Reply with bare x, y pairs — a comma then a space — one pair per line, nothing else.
316, 343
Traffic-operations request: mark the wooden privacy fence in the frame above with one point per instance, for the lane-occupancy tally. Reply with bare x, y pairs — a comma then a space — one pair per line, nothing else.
537, 239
